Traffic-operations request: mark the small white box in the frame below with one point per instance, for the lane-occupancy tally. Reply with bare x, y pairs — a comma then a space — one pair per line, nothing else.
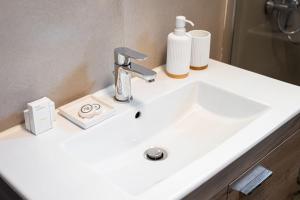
79, 111
39, 115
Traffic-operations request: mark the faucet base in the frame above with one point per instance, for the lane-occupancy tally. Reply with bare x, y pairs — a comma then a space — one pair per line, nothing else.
123, 101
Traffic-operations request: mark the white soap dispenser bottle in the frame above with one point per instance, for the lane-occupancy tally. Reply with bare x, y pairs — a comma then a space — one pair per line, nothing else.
179, 50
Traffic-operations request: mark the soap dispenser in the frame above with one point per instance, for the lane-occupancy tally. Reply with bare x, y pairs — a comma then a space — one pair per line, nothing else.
179, 50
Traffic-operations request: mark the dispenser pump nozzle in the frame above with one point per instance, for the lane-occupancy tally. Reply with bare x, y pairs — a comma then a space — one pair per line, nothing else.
181, 20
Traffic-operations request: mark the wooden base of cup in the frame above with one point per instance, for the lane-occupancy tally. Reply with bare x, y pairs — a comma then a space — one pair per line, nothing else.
176, 76
198, 68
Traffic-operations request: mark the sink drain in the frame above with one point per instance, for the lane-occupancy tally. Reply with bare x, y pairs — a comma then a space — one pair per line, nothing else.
155, 154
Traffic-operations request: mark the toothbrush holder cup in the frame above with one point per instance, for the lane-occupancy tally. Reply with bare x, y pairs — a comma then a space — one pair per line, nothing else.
200, 49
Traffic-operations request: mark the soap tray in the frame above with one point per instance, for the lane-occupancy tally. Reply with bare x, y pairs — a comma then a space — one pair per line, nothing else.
73, 111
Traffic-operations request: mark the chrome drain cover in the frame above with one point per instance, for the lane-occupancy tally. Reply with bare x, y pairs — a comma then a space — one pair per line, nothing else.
155, 154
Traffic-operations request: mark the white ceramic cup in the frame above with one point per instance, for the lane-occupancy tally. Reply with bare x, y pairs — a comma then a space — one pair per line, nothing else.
200, 49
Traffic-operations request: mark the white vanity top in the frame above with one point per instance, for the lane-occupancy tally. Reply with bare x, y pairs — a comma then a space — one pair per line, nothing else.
38, 167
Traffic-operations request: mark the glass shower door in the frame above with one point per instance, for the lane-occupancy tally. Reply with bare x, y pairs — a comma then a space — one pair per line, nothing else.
267, 38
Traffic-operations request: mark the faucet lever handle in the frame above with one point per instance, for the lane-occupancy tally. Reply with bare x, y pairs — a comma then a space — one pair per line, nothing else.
123, 55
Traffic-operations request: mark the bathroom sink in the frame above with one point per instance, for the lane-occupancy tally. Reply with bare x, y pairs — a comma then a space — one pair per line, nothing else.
201, 124
187, 123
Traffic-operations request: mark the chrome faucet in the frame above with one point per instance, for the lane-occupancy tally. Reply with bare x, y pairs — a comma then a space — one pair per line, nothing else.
124, 70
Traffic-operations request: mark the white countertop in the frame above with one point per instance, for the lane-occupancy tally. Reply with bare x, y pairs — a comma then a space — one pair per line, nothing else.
38, 167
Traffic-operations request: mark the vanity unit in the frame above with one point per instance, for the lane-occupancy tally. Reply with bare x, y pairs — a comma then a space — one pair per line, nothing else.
221, 133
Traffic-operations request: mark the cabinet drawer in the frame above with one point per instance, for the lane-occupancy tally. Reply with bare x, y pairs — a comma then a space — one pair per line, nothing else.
284, 162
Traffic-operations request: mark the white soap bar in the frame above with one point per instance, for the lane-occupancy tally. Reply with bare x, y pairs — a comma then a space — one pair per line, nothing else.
90, 110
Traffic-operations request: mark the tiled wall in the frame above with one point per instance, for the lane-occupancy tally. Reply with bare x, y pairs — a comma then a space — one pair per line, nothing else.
63, 49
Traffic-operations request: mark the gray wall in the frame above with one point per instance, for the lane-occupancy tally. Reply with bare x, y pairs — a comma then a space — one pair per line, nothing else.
63, 48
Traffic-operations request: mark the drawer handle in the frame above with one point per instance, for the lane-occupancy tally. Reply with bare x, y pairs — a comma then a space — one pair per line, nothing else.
251, 180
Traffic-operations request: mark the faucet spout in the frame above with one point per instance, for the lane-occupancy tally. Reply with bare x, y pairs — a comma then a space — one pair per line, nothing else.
142, 72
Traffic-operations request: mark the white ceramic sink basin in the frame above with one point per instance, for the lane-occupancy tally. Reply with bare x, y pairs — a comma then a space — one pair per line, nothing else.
187, 122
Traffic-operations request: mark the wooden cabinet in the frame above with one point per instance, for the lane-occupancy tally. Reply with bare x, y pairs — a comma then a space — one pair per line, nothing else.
6, 193
284, 162
279, 153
